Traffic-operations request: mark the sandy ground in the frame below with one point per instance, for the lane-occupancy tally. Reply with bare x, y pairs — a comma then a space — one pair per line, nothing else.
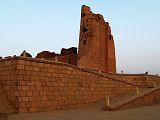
93, 112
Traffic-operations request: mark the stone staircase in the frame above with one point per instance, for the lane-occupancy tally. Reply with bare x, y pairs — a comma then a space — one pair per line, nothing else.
145, 96
5, 105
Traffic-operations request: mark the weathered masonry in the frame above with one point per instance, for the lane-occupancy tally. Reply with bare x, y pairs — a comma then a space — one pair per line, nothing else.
34, 85
96, 44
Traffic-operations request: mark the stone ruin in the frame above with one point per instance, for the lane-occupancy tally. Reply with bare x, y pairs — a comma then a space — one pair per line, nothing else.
47, 83
96, 45
67, 55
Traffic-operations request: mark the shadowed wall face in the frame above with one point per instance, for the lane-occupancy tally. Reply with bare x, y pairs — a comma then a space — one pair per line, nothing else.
96, 45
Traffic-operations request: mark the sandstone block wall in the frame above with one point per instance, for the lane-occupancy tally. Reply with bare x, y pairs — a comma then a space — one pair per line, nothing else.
35, 85
48, 86
138, 79
142, 80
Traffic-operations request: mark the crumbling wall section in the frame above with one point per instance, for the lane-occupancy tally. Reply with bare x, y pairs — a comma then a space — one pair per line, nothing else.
96, 45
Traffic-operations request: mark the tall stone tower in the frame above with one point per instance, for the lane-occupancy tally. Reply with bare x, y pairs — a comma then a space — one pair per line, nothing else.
96, 45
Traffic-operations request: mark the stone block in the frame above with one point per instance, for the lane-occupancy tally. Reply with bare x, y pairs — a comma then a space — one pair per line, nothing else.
47, 66
29, 68
32, 109
29, 93
37, 83
25, 99
35, 69
23, 110
28, 63
34, 64
28, 104
22, 105
21, 62
16, 93
42, 93
24, 88
44, 98
22, 93
40, 64
20, 67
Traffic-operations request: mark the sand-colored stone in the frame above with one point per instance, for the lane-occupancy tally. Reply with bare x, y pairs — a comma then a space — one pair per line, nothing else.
50, 85
96, 45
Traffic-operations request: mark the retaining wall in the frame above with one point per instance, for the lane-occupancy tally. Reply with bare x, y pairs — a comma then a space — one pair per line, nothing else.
35, 85
142, 80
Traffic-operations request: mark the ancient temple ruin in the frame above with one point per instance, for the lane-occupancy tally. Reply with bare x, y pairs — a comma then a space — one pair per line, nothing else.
96, 44
69, 80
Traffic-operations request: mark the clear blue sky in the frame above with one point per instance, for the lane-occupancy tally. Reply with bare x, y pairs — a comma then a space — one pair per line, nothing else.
38, 25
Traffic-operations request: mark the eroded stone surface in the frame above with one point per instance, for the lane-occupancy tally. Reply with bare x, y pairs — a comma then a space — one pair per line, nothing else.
96, 44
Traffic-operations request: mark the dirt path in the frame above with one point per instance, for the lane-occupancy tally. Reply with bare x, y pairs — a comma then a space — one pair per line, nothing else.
94, 112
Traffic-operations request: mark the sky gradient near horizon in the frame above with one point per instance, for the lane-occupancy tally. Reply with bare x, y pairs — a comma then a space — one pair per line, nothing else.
38, 25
